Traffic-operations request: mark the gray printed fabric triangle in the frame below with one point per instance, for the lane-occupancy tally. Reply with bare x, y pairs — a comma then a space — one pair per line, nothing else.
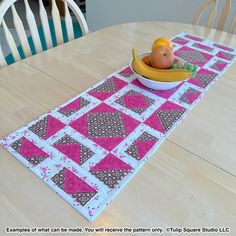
169, 117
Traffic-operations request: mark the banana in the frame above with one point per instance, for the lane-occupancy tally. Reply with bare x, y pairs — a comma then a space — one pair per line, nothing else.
161, 75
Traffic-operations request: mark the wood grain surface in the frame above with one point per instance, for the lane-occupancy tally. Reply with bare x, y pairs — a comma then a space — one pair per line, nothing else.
190, 181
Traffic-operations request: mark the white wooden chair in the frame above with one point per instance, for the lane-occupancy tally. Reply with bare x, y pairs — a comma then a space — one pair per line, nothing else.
213, 14
69, 4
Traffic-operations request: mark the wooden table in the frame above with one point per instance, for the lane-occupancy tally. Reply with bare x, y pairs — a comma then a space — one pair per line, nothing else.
189, 181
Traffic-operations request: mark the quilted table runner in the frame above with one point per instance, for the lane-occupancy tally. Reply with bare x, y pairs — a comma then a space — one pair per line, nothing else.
87, 149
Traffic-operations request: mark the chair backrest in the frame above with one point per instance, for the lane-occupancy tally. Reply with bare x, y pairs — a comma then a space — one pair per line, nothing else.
213, 15
69, 5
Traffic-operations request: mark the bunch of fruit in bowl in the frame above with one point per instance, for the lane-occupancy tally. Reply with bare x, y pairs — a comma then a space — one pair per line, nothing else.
160, 69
